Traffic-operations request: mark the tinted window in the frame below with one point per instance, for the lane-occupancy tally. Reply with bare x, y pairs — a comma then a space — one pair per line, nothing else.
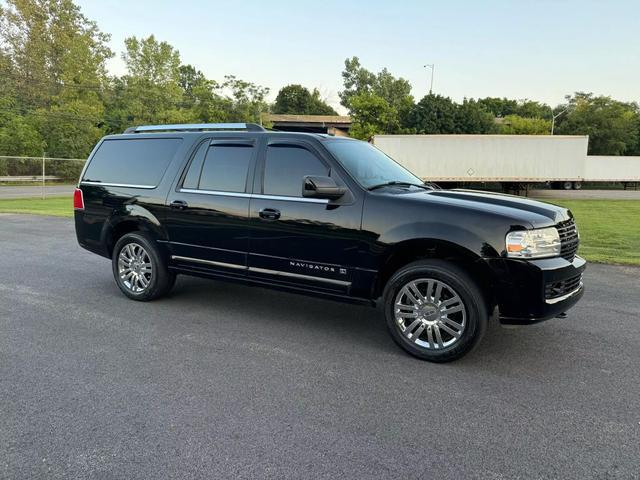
193, 175
132, 162
225, 168
368, 164
286, 166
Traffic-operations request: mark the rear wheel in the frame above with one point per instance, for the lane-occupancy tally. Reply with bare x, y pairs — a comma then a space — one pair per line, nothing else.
139, 269
434, 310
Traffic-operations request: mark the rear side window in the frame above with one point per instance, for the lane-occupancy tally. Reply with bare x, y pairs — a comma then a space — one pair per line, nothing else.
140, 162
285, 166
225, 168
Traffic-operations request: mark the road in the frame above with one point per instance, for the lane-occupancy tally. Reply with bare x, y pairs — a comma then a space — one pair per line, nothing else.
227, 381
28, 191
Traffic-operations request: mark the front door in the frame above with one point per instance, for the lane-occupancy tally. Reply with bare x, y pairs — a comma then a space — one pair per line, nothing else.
208, 216
303, 243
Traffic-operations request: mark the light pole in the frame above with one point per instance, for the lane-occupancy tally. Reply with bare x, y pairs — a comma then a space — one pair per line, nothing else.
553, 118
432, 66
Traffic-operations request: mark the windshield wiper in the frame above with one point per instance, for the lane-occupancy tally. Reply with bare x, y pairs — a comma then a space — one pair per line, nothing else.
395, 182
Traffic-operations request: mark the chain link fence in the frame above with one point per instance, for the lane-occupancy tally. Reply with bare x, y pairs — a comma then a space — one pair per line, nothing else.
43, 172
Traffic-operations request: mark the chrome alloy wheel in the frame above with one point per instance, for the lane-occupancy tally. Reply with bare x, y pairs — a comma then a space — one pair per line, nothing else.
134, 267
430, 313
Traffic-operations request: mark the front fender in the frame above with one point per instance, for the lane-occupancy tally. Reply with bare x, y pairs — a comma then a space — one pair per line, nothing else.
441, 232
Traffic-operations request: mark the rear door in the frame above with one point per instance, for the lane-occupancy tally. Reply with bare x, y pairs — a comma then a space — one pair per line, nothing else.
207, 221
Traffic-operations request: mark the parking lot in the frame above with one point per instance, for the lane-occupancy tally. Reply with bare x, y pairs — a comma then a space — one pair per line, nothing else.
226, 381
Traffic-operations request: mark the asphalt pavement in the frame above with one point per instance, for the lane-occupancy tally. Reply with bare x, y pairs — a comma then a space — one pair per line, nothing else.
226, 381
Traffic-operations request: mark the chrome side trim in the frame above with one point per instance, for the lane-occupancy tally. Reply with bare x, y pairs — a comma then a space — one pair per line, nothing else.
291, 199
126, 185
216, 192
252, 195
551, 301
299, 275
208, 262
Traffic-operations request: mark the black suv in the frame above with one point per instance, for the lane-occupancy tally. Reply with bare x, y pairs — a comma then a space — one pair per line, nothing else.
325, 216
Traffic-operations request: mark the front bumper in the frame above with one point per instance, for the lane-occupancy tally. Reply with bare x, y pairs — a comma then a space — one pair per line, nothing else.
522, 288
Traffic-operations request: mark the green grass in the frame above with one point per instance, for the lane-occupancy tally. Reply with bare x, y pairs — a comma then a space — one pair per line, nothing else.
56, 206
609, 229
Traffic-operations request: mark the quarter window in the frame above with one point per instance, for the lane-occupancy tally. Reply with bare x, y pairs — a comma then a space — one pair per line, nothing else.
285, 167
140, 162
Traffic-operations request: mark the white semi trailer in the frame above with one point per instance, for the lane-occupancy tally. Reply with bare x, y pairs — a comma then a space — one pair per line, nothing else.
512, 160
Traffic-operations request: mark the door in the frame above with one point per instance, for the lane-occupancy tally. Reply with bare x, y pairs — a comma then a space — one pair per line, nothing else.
208, 216
303, 243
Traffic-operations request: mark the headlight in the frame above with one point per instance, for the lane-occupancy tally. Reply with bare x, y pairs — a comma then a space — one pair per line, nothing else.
540, 243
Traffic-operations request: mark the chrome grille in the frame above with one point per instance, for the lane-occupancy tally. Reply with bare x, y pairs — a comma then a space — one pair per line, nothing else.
563, 287
569, 239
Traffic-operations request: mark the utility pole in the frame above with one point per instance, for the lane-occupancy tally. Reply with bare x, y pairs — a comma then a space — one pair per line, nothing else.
432, 66
553, 118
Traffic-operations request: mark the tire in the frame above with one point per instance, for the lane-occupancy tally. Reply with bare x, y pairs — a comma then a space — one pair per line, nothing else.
577, 185
424, 330
566, 185
139, 269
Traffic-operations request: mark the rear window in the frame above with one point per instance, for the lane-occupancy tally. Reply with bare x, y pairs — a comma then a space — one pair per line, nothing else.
141, 162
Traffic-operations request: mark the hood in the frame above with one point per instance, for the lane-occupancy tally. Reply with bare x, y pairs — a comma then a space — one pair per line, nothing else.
538, 214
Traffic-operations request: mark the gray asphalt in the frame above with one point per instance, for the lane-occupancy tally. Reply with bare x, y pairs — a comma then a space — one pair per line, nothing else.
226, 381
26, 191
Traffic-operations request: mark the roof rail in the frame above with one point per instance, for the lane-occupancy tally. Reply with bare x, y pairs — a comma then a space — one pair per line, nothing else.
196, 127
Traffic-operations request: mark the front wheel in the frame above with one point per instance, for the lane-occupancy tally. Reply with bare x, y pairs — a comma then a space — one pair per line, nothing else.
434, 310
139, 269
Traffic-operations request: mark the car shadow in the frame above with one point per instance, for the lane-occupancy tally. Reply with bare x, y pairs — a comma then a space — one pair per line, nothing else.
356, 324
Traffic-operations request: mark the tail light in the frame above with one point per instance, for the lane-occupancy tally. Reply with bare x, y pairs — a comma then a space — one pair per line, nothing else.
78, 200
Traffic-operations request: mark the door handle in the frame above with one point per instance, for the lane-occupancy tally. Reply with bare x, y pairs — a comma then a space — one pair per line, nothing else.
179, 204
269, 214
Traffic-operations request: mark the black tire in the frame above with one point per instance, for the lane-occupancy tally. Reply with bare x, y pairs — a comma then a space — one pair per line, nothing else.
577, 185
161, 280
460, 283
567, 185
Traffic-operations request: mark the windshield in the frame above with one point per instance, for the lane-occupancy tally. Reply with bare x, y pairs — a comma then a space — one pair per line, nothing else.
368, 165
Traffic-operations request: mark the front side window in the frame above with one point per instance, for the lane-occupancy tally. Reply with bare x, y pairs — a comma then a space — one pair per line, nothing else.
368, 165
286, 166
224, 169
141, 162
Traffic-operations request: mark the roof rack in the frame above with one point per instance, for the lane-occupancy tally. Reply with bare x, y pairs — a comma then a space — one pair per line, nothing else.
196, 127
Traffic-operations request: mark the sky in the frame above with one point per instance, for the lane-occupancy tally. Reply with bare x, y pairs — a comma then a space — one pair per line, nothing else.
538, 49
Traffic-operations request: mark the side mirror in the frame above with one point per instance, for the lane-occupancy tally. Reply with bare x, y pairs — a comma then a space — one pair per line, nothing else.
321, 187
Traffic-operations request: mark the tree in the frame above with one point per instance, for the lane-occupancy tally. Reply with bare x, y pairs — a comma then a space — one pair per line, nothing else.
56, 60
371, 115
517, 125
297, 100
396, 92
472, 117
612, 126
499, 107
433, 114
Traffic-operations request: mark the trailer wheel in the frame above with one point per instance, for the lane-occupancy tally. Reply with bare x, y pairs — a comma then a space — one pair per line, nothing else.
566, 185
577, 185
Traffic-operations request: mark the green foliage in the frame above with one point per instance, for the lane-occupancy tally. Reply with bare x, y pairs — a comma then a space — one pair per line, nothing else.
297, 100
517, 125
612, 126
433, 114
504, 107
472, 117
371, 115
377, 103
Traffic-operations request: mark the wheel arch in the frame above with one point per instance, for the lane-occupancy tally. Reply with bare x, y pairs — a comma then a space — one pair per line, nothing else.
133, 218
408, 251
